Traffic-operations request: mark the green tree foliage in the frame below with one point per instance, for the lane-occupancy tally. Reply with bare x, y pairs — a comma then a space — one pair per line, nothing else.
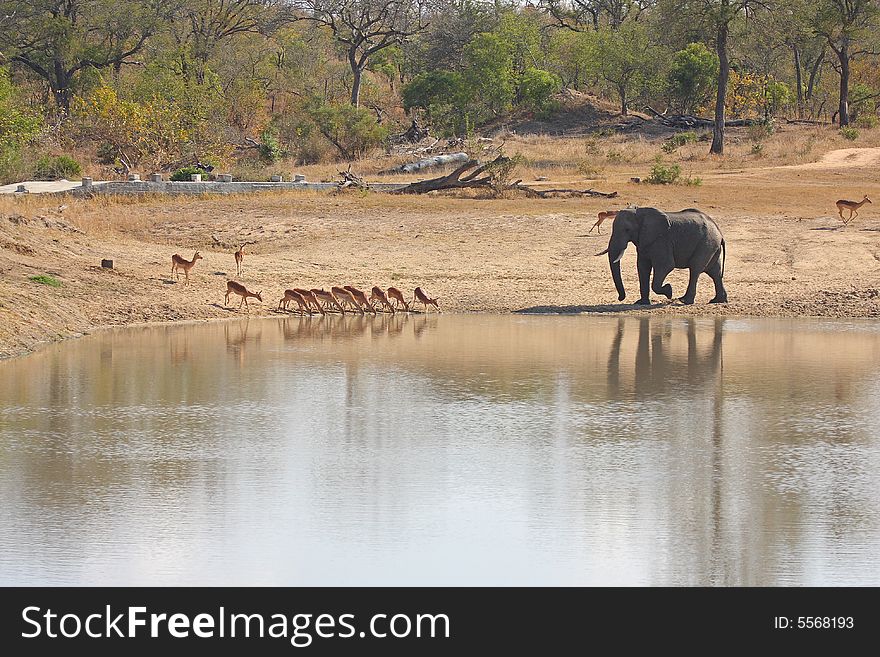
58, 40
625, 59
536, 87
352, 130
692, 76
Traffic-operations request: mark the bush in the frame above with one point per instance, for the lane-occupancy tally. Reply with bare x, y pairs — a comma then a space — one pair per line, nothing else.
761, 130
352, 130
270, 148
848, 132
535, 88
758, 150
664, 175
692, 77
185, 174
867, 121
589, 170
678, 140
50, 167
670, 175
45, 279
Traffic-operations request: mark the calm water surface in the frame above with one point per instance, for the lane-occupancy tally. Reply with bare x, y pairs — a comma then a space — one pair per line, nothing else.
446, 450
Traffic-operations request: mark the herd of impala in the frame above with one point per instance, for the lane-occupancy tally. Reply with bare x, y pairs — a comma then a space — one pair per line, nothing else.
309, 301
337, 299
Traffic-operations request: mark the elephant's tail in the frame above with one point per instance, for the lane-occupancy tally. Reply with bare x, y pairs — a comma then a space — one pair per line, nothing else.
723, 255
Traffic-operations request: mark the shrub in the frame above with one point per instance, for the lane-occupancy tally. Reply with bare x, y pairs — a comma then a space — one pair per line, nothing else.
678, 140
45, 279
536, 86
848, 132
692, 77
186, 173
758, 150
270, 148
50, 167
867, 121
761, 130
352, 130
589, 170
664, 175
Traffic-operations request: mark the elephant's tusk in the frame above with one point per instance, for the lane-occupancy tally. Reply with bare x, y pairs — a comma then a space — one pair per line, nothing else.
602, 252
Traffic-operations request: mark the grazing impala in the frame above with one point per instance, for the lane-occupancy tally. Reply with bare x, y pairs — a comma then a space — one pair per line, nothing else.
376, 294
852, 206
178, 263
328, 299
237, 288
343, 296
610, 214
293, 295
310, 299
397, 296
360, 297
421, 297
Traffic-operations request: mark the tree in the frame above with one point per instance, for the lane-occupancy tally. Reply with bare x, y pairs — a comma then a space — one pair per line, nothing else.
624, 57
717, 17
843, 23
489, 73
200, 25
578, 15
58, 39
365, 27
692, 75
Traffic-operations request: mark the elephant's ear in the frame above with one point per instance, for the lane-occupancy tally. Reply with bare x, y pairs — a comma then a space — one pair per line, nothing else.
653, 225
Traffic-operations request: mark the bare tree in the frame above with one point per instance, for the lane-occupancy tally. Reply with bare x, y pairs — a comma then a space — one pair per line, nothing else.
843, 23
364, 27
581, 15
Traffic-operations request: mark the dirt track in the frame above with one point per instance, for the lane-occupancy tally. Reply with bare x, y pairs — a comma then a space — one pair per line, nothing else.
787, 252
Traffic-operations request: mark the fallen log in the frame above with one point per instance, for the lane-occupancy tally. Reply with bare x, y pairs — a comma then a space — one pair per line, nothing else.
688, 121
454, 180
457, 180
548, 193
429, 163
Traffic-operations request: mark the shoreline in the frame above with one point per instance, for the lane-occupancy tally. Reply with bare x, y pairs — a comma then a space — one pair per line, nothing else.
640, 313
786, 255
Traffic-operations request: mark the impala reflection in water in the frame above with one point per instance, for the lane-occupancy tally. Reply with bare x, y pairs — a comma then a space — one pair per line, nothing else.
430, 449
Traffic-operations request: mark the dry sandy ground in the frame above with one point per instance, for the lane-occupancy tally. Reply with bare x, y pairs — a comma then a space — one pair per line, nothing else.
788, 254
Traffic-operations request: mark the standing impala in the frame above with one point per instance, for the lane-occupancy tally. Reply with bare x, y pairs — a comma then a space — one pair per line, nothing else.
178, 263
239, 256
237, 288
609, 214
852, 206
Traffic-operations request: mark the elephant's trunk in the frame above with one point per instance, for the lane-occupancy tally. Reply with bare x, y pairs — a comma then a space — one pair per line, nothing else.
614, 262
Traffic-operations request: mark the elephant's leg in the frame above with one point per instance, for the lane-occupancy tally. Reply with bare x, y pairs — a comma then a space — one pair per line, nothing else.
644, 269
691, 292
660, 274
714, 271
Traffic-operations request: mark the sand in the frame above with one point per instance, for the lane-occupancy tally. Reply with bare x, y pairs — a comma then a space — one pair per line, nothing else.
788, 253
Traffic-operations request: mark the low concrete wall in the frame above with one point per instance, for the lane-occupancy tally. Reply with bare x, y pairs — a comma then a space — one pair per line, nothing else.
212, 187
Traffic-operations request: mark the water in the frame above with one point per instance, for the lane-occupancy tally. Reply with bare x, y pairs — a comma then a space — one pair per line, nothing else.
485, 450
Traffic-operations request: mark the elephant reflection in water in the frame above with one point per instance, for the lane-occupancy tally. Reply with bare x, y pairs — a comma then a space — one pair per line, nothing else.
657, 366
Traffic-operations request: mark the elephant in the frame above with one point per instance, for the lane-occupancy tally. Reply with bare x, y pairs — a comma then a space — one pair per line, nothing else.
688, 239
